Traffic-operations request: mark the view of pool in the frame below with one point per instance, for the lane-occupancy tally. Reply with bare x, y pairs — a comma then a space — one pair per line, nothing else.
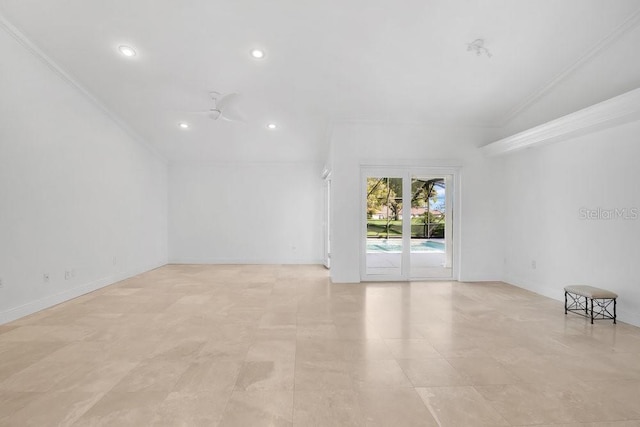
395, 246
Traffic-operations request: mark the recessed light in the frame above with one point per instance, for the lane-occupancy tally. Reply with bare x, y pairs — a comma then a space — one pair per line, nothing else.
257, 53
183, 125
127, 50
272, 126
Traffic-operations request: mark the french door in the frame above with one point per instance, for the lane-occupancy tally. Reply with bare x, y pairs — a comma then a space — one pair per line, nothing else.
407, 223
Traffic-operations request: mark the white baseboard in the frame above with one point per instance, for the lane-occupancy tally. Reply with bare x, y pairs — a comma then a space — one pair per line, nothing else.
479, 279
248, 261
23, 310
557, 294
553, 293
344, 278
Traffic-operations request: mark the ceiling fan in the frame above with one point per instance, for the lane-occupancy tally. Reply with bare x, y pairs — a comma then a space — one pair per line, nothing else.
224, 107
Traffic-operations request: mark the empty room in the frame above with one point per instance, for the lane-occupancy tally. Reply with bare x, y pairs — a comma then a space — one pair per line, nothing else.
337, 213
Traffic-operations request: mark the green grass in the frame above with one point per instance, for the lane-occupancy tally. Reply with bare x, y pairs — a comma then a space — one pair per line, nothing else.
378, 228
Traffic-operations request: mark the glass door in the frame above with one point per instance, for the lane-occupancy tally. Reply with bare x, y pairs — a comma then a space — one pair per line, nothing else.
408, 224
384, 226
431, 231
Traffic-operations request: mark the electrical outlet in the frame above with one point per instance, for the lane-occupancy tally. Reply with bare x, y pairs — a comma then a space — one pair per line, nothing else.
67, 274
45, 278
1, 282
534, 265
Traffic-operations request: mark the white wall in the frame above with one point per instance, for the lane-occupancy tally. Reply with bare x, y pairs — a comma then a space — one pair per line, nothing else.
547, 187
356, 144
76, 192
246, 213
609, 72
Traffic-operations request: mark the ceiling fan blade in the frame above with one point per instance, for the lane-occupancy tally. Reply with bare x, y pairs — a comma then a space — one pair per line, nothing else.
212, 113
232, 116
229, 107
228, 101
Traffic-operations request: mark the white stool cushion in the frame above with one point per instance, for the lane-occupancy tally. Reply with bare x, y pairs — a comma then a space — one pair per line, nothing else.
590, 292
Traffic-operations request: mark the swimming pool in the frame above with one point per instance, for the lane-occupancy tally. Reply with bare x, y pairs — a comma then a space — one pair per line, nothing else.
395, 246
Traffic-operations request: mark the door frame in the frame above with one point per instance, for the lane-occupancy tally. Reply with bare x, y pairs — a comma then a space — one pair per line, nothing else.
326, 223
406, 173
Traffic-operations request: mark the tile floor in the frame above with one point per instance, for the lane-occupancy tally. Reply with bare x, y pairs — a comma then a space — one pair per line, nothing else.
280, 346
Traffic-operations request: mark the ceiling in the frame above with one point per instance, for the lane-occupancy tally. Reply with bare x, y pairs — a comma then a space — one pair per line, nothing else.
326, 61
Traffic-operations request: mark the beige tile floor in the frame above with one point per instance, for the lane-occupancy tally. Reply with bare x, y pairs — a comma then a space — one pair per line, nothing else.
281, 346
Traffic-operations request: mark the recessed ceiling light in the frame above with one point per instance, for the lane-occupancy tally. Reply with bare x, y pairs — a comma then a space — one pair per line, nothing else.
127, 50
183, 125
272, 126
257, 53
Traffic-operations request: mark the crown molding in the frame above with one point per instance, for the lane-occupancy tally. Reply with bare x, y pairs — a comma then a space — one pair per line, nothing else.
612, 112
36, 52
631, 22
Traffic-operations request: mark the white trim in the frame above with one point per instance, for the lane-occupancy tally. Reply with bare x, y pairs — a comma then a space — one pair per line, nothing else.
248, 261
31, 307
349, 277
437, 165
326, 222
71, 81
630, 23
615, 111
557, 294
232, 164
483, 278
430, 122
406, 172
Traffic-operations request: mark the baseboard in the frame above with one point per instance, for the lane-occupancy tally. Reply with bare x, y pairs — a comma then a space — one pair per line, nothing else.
557, 294
630, 318
248, 261
554, 293
51, 300
479, 279
344, 278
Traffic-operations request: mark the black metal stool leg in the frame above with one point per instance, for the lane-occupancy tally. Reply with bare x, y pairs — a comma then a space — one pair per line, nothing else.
592, 311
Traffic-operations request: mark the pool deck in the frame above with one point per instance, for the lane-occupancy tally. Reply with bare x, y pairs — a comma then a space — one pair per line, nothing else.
395, 246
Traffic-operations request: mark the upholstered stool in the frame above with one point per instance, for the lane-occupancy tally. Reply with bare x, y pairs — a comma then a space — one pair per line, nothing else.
603, 299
